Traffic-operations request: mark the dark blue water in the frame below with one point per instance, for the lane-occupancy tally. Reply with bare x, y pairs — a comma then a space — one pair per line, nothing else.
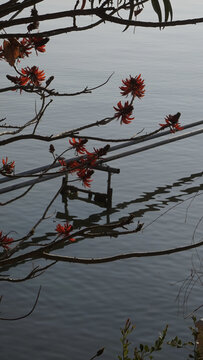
82, 307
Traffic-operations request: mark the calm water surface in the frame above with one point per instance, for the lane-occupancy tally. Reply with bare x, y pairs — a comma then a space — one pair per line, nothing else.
81, 308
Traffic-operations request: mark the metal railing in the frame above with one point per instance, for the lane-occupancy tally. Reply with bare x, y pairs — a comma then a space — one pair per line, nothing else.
100, 166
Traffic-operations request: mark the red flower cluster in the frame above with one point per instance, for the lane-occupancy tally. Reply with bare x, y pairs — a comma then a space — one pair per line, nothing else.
39, 44
8, 167
32, 76
65, 230
5, 241
134, 86
83, 166
85, 176
172, 121
124, 112
63, 164
13, 50
78, 145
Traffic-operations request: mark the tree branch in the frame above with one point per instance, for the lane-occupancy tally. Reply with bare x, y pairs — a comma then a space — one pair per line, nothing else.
120, 256
26, 315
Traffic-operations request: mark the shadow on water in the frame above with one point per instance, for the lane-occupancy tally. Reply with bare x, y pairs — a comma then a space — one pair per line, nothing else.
151, 203
151, 200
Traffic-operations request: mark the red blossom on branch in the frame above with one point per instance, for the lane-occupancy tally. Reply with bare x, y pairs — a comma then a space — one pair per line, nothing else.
5, 241
85, 176
83, 166
27, 44
124, 112
73, 166
32, 76
63, 163
78, 145
134, 86
13, 50
8, 167
39, 43
172, 121
25, 48
65, 230
90, 160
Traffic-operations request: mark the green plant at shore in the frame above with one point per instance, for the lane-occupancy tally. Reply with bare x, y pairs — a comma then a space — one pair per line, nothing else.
144, 351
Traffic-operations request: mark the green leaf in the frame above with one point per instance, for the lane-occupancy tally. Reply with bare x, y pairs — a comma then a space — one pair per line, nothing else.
189, 343
168, 10
132, 6
146, 348
157, 9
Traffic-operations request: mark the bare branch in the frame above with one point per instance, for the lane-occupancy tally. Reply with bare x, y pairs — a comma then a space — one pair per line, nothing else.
26, 315
120, 256
37, 271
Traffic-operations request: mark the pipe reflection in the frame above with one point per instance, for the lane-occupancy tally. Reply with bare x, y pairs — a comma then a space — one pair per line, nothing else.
145, 197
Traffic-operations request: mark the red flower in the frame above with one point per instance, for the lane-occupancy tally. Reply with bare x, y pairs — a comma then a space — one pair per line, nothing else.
90, 160
64, 230
29, 76
79, 145
32, 76
86, 162
171, 121
124, 112
8, 167
25, 48
74, 165
27, 44
85, 175
5, 241
102, 151
63, 164
39, 43
134, 86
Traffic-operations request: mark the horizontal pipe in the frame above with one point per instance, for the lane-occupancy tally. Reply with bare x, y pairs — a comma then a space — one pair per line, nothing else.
112, 148
147, 147
107, 159
151, 137
52, 176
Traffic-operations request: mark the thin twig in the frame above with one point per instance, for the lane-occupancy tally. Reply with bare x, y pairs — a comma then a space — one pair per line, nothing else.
26, 315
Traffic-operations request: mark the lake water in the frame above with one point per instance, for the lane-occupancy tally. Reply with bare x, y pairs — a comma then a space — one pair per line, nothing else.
82, 307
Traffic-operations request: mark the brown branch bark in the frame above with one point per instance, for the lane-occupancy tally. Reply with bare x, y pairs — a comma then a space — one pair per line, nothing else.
148, 24
104, 17
53, 16
120, 256
57, 136
37, 271
9, 7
